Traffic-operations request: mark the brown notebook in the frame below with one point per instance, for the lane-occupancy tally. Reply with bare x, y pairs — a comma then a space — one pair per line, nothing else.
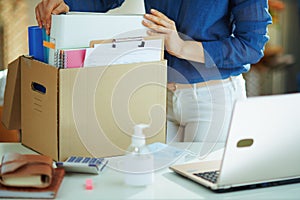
37, 193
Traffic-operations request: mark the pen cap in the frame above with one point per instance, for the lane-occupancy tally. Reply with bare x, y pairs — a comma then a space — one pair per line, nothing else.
138, 138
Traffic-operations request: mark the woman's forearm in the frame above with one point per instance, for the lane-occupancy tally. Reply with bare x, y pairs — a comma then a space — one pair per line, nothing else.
191, 50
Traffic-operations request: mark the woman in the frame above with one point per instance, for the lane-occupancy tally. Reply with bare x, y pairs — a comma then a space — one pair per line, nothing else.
209, 45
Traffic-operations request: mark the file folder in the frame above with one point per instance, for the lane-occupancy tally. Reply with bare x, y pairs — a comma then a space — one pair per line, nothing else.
76, 30
124, 51
35, 42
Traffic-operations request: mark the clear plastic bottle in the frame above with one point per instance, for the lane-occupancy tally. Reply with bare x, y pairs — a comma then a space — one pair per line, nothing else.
138, 163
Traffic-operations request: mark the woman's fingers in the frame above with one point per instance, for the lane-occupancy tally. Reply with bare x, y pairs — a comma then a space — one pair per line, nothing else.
161, 15
155, 27
62, 8
160, 21
45, 8
160, 25
38, 17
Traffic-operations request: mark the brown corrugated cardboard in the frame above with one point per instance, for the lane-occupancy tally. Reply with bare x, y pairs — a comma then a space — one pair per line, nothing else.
90, 111
11, 117
39, 117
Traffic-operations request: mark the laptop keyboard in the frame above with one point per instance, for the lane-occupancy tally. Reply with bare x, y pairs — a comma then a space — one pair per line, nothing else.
209, 176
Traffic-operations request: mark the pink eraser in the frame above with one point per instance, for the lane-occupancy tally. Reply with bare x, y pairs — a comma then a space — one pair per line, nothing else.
89, 184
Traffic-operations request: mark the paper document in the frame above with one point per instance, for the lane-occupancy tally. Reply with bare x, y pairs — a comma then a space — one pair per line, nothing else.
111, 52
76, 30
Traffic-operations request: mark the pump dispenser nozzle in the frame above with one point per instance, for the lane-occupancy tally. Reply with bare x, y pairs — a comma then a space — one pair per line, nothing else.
138, 137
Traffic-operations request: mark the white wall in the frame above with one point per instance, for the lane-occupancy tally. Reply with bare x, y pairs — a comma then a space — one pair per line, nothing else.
31, 13
128, 7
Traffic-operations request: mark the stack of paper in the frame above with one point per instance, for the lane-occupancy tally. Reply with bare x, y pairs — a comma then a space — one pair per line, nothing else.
112, 52
76, 30
124, 51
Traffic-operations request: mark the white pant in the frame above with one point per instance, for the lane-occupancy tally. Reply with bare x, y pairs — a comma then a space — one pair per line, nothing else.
203, 114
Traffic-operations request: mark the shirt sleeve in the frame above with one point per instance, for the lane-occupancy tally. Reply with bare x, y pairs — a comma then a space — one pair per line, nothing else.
250, 19
93, 5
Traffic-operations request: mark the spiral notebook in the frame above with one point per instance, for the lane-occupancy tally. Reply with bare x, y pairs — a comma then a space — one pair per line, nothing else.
70, 58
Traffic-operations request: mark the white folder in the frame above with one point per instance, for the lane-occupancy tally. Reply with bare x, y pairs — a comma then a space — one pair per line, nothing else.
76, 30
124, 51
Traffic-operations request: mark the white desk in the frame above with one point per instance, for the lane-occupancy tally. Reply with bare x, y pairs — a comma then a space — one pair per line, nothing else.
168, 185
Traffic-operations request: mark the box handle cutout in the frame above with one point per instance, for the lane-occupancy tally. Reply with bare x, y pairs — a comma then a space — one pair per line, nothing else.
245, 143
38, 88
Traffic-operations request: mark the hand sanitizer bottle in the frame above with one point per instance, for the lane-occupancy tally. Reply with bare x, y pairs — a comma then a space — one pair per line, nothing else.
139, 160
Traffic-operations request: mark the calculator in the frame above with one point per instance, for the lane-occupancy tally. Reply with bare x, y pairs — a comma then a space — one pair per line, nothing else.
83, 164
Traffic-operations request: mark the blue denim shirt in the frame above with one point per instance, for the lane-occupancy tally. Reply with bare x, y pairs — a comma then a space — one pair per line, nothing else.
233, 33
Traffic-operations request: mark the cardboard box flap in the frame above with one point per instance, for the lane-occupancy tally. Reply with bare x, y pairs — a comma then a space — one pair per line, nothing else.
11, 117
39, 106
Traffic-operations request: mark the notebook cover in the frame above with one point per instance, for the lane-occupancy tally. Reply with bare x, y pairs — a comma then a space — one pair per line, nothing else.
36, 193
74, 58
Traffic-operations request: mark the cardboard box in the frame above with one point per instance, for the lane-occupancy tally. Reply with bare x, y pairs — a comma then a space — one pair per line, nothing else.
85, 111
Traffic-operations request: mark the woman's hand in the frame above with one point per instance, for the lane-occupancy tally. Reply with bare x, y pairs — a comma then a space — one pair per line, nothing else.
161, 25
45, 8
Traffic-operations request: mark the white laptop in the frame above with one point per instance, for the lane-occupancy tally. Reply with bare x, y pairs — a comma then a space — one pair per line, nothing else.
262, 147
